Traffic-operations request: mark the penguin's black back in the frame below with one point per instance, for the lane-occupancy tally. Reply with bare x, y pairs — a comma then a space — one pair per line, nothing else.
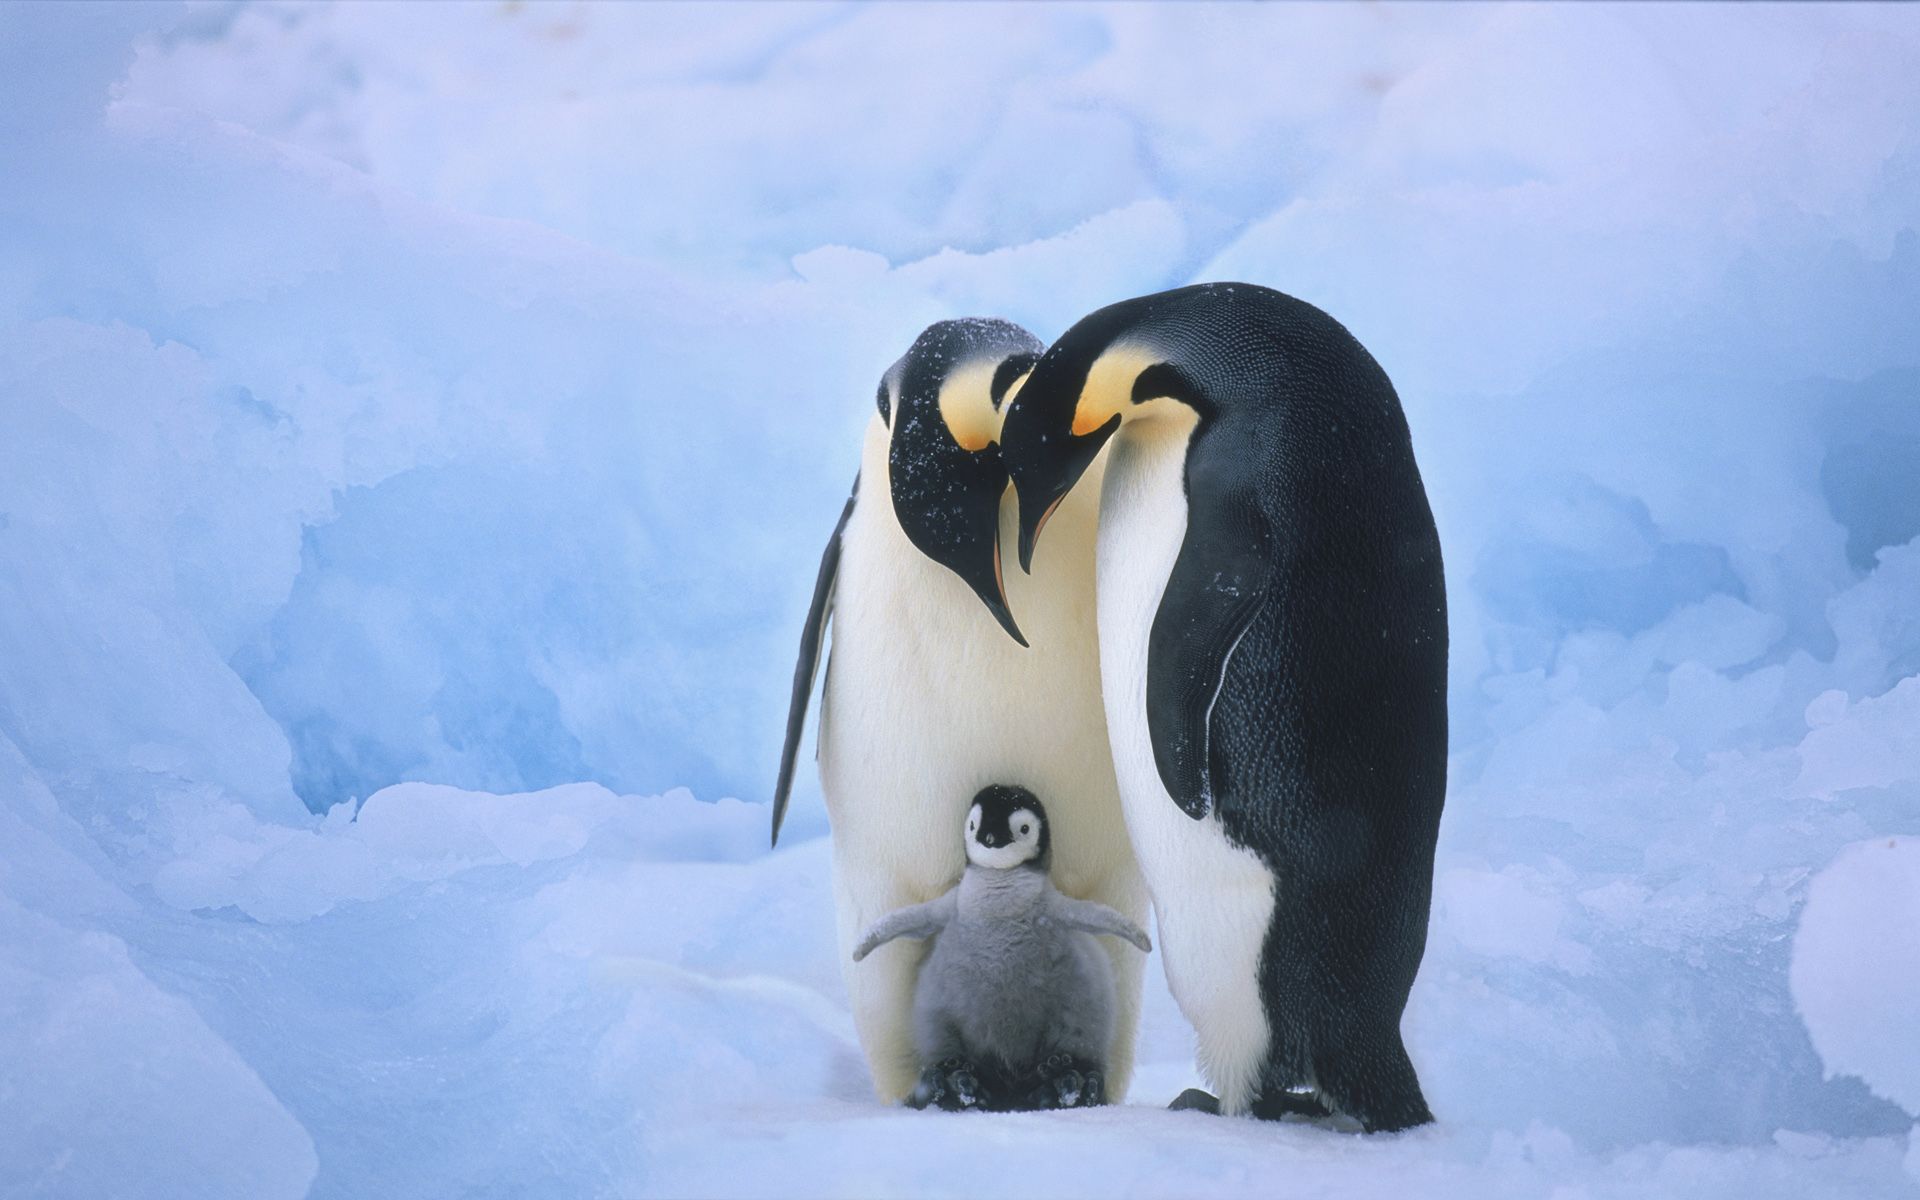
1328, 734
1334, 699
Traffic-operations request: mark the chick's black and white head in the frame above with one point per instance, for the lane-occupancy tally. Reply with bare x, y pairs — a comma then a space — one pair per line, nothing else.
1006, 828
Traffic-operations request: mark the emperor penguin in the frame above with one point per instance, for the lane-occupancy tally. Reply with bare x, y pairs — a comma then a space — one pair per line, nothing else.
929, 698
1273, 650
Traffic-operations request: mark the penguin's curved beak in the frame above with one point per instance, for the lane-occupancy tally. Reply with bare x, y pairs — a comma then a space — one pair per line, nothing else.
947, 500
1045, 457
991, 585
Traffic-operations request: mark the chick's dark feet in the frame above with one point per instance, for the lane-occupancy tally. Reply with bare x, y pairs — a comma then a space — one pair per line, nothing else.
1062, 1081
949, 1084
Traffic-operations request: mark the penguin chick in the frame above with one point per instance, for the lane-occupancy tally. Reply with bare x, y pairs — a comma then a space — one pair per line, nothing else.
1015, 1005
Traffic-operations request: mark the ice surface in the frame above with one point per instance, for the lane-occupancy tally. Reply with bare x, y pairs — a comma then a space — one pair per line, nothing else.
421, 424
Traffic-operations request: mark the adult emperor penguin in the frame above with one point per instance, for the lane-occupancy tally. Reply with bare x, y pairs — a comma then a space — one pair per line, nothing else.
929, 698
1273, 646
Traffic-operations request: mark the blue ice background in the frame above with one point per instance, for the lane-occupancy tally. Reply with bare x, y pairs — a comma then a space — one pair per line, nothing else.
460, 395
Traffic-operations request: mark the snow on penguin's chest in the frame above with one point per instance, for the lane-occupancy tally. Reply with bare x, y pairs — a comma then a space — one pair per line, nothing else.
1213, 900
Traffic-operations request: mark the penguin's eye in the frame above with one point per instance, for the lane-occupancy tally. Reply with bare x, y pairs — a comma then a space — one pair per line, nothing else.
1025, 828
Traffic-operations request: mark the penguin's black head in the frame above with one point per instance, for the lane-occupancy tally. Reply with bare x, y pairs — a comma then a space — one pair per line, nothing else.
1102, 373
1006, 828
942, 402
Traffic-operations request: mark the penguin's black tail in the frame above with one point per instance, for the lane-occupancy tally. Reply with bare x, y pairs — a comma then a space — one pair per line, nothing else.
1374, 1083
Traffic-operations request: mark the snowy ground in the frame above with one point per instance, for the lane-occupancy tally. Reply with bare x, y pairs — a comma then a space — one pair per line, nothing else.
421, 423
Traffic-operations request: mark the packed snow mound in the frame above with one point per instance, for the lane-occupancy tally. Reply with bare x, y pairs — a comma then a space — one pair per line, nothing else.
422, 426
120, 1088
1853, 966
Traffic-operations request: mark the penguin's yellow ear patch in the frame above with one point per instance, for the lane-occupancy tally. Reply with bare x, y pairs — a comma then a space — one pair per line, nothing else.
966, 406
1109, 386
1013, 388
1088, 417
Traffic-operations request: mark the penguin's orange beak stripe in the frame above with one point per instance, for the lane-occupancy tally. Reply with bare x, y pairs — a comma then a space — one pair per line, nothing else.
1041, 524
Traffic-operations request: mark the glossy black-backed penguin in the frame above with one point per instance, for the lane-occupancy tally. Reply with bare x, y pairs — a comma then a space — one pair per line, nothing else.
928, 698
1273, 646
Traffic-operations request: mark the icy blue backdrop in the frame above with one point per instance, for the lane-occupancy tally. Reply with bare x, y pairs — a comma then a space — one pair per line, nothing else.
461, 395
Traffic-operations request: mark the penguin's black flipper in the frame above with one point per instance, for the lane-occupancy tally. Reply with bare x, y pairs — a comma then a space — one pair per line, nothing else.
1216, 588
804, 671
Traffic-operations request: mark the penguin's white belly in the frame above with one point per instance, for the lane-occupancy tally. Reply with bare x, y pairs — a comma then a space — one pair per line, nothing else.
1213, 900
927, 701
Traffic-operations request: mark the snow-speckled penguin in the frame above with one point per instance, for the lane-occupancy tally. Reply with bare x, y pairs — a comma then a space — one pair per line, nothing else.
1273, 649
928, 698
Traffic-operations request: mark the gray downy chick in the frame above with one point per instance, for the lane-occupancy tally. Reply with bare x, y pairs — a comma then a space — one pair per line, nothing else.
1014, 1007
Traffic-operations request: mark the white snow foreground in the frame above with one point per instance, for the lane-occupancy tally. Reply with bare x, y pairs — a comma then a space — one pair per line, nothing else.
571, 992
